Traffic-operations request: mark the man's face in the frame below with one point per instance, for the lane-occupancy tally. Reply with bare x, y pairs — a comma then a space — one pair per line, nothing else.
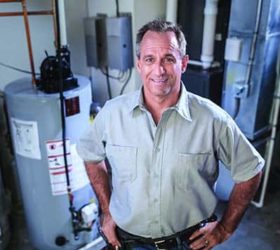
160, 65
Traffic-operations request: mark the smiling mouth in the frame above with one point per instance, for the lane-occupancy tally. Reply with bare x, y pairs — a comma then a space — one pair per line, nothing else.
160, 81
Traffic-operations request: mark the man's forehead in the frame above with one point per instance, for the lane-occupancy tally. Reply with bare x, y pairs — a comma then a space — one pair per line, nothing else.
165, 40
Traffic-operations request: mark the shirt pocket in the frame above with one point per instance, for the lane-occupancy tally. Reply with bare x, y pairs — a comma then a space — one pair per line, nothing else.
123, 161
193, 169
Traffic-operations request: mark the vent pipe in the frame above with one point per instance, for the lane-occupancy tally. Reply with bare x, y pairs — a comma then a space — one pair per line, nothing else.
208, 42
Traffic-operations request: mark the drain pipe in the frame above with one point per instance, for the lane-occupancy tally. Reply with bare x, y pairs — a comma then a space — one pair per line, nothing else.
209, 28
171, 10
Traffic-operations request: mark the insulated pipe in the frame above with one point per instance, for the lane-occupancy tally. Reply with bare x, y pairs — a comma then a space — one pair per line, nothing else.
62, 23
171, 10
210, 17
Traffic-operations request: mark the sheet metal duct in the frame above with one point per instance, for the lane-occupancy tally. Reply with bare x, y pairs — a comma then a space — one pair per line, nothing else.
251, 54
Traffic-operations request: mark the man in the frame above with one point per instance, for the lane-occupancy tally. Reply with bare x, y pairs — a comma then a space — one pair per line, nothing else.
163, 145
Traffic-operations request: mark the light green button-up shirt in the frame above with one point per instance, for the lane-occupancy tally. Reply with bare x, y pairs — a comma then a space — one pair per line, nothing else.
163, 176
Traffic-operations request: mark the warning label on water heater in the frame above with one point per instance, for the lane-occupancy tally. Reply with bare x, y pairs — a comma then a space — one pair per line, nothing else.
26, 138
76, 170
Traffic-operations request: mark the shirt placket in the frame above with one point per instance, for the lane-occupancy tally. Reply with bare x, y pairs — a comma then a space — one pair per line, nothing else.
156, 176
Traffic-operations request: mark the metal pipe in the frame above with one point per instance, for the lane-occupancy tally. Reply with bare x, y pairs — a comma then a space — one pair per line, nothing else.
275, 110
209, 28
98, 243
25, 15
199, 63
9, 1
29, 13
54, 24
171, 10
29, 44
253, 45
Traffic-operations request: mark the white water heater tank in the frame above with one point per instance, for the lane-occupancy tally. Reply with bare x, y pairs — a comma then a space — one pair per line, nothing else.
35, 125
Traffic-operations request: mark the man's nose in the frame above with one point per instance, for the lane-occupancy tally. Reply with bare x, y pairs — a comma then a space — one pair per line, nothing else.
159, 68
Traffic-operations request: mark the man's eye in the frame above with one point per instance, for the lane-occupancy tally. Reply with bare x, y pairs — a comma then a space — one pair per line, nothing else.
169, 60
148, 60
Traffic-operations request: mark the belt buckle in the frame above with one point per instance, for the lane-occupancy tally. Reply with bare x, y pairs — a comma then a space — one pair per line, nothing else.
158, 242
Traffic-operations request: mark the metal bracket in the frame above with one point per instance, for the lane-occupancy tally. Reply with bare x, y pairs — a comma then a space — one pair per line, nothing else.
241, 90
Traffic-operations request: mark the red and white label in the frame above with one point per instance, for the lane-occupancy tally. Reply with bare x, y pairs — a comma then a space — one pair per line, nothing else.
76, 170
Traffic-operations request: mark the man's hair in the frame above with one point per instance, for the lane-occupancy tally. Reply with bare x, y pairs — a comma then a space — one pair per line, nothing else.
161, 26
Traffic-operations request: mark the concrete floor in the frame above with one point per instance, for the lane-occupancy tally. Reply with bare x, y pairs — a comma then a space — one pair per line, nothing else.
259, 230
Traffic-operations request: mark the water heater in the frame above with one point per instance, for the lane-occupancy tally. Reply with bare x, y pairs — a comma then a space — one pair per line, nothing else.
35, 125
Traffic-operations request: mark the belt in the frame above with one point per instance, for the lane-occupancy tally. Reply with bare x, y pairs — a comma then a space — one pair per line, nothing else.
166, 242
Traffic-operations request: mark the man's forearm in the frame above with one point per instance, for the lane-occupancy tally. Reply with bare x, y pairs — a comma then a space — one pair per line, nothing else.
240, 197
99, 179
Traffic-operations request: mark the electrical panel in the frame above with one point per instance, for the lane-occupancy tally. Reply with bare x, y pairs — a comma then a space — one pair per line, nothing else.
109, 42
119, 42
95, 38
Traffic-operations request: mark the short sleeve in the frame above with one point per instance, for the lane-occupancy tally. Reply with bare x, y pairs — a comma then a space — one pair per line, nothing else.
90, 146
237, 153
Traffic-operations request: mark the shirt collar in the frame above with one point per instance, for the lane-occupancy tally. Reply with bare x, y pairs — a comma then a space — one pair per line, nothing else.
137, 100
182, 106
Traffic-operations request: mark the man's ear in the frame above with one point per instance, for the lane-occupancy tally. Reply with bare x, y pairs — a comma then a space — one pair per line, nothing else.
185, 61
138, 65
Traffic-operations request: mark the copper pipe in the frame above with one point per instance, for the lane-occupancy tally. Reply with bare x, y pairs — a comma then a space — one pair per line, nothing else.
54, 24
9, 1
27, 30
29, 13
25, 15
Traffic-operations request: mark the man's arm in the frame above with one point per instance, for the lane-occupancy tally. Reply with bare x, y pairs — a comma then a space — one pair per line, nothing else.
240, 197
98, 175
217, 232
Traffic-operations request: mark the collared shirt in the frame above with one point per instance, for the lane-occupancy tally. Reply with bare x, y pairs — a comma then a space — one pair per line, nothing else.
163, 175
